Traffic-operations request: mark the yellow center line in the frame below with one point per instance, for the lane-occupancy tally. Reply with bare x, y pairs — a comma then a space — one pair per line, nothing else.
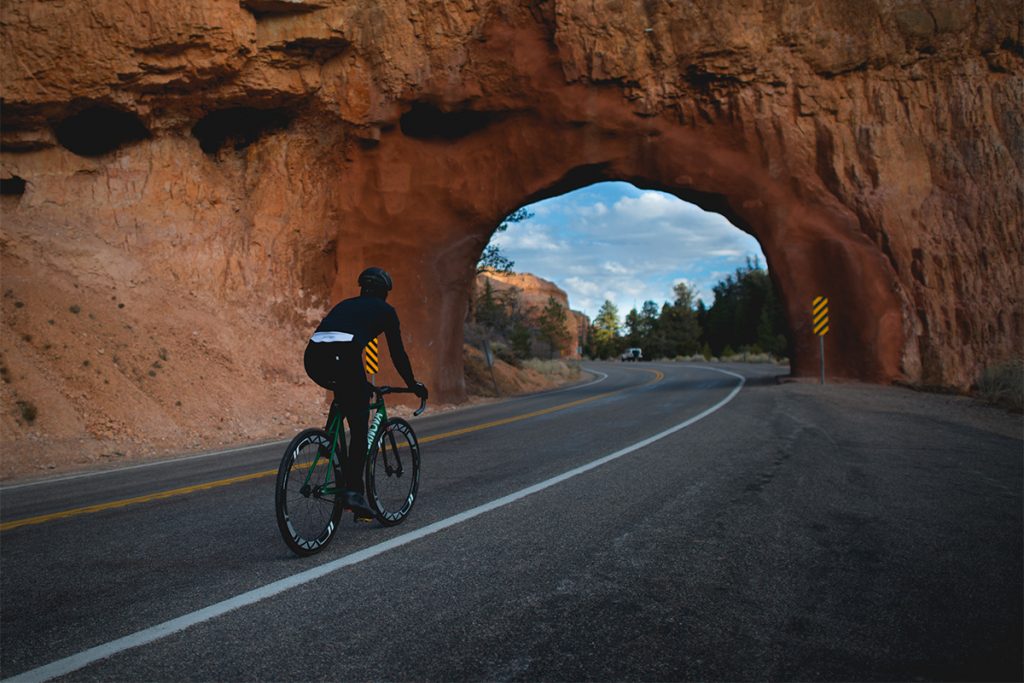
74, 512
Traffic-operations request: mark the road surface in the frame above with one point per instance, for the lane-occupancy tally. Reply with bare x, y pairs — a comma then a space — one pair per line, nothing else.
714, 524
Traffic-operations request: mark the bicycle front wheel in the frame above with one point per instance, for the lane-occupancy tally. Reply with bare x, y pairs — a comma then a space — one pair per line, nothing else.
308, 510
393, 472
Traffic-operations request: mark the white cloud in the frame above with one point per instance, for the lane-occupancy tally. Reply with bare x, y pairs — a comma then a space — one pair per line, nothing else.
648, 206
582, 286
616, 268
528, 237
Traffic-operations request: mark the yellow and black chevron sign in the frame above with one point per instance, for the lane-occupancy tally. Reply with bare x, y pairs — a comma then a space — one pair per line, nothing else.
371, 357
819, 313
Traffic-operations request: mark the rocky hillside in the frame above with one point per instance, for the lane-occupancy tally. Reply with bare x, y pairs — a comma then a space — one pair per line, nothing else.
533, 294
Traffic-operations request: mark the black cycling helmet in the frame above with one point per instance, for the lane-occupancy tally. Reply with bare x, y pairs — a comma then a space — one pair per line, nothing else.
375, 281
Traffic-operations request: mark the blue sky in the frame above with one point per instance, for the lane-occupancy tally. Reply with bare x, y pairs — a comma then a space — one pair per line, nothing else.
614, 241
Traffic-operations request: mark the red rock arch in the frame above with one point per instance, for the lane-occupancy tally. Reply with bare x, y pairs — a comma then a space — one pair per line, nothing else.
452, 194
872, 148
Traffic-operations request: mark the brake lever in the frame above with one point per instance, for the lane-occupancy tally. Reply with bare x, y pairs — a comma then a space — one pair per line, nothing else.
423, 406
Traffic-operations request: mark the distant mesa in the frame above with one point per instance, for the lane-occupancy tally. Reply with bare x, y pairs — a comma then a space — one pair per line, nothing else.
534, 293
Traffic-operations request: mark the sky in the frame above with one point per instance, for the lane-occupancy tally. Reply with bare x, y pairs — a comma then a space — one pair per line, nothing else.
614, 241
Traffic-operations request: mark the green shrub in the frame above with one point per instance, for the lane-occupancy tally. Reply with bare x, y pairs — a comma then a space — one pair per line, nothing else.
29, 412
1003, 384
755, 358
506, 353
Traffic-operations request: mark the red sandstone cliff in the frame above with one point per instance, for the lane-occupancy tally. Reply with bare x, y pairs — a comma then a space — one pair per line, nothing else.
226, 169
534, 293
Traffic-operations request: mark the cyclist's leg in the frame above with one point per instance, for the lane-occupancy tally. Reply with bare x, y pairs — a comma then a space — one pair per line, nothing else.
358, 417
352, 397
320, 362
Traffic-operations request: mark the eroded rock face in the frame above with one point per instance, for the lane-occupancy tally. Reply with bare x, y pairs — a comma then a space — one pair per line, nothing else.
277, 147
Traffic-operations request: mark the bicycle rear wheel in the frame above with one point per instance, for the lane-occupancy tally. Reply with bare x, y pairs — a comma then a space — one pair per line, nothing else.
306, 515
393, 472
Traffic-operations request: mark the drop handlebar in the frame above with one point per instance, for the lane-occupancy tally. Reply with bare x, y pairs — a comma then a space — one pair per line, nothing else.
380, 391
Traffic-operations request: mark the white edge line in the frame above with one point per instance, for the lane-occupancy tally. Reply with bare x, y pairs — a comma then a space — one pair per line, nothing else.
167, 628
236, 449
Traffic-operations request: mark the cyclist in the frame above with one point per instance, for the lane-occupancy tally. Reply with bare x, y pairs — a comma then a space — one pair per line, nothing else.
333, 359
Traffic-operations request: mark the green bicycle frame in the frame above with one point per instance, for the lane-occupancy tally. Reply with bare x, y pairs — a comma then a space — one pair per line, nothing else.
336, 430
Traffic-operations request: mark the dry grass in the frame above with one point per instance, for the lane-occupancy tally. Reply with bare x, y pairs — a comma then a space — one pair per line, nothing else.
737, 358
1003, 384
554, 369
532, 375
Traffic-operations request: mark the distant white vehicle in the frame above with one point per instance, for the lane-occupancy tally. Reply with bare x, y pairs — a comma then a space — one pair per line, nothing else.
632, 354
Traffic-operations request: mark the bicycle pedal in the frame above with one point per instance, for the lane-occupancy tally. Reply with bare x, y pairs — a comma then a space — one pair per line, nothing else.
362, 520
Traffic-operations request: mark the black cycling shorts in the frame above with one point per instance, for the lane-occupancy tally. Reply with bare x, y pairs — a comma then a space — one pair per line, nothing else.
338, 367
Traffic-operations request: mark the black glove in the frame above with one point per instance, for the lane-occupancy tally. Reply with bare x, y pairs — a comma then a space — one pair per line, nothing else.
420, 389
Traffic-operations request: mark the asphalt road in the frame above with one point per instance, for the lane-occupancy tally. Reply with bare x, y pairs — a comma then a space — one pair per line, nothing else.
793, 532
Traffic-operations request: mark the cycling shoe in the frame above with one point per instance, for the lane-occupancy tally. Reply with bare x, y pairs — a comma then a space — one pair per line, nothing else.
356, 502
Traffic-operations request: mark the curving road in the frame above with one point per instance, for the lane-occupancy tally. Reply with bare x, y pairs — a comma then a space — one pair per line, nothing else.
660, 522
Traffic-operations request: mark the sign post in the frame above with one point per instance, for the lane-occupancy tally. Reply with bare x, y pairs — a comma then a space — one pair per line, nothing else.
819, 314
371, 360
490, 363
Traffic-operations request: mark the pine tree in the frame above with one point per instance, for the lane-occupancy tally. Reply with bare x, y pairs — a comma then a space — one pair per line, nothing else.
678, 329
551, 325
747, 314
605, 330
632, 325
488, 310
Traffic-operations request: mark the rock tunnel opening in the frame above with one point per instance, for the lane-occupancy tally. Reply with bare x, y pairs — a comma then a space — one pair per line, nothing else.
239, 127
98, 130
682, 278
812, 244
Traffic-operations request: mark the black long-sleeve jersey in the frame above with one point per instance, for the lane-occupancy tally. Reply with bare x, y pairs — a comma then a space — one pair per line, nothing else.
366, 317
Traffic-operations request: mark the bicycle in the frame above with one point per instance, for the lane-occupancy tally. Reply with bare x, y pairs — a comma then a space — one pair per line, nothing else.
307, 499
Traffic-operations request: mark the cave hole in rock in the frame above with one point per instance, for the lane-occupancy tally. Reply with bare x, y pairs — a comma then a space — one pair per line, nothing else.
425, 121
13, 186
263, 9
683, 281
98, 130
239, 127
